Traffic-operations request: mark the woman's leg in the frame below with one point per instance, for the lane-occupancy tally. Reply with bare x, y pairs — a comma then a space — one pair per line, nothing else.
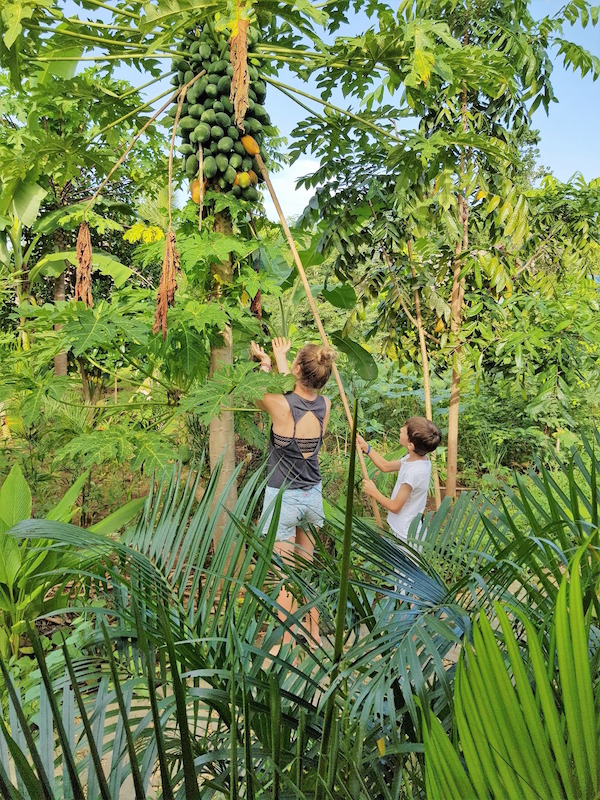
287, 601
306, 546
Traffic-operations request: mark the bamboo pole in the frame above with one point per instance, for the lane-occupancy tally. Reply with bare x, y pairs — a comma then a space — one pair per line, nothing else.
317, 317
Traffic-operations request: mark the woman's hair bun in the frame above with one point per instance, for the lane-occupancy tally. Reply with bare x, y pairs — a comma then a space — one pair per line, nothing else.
326, 355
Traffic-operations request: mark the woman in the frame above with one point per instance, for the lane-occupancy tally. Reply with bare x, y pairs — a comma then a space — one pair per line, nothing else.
299, 420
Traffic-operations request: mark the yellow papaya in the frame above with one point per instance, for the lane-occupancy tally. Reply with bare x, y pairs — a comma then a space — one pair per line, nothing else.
196, 190
250, 145
253, 177
242, 179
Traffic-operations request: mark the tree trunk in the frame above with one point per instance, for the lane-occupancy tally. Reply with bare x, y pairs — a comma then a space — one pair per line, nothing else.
426, 382
221, 428
60, 359
456, 305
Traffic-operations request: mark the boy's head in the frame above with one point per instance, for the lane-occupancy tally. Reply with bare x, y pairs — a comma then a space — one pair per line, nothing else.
423, 434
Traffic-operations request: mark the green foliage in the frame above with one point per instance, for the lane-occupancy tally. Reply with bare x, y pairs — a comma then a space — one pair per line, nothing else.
24, 569
255, 710
526, 716
30, 568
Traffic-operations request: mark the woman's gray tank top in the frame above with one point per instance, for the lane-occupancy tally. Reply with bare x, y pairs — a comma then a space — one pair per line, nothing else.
287, 465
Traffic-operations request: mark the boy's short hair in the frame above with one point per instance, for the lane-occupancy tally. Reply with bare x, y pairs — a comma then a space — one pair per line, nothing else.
423, 434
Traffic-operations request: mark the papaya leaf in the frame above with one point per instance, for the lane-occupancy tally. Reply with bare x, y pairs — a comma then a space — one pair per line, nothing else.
60, 69
53, 264
26, 201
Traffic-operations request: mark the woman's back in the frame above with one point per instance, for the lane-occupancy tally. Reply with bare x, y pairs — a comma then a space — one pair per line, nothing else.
295, 441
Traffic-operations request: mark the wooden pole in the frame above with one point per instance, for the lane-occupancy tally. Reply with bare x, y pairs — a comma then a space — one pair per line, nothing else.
317, 317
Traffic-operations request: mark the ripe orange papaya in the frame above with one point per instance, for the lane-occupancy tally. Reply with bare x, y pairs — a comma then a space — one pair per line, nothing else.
196, 190
250, 145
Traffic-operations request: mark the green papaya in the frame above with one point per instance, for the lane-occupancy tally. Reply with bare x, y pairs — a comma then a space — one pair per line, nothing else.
204, 51
218, 67
261, 115
222, 162
216, 132
252, 125
209, 167
250, 194
261, 91
223, 119
187, 123
246, 164
227, 104
211, 91
191, 166
230, 174
235, 161
195, 92
225, 144
218, 107
213, 80
209, 117
224, 84
196, 110
202, 132
236, 191
233, 133
186, 149
239, 148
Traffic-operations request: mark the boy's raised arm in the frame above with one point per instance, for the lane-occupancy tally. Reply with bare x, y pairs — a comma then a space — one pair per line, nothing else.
380, 462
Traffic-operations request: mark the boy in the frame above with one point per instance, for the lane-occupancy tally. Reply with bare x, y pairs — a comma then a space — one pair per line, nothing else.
420, 437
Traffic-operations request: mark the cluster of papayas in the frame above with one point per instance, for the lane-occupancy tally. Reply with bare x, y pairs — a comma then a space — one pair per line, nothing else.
207, 118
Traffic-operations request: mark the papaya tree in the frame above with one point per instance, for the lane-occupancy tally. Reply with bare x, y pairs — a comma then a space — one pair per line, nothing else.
51, 156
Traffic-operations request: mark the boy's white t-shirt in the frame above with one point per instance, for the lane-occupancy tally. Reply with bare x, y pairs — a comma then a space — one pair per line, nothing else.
417, 474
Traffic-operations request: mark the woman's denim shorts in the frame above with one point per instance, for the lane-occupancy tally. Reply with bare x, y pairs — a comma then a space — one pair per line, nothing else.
299, 508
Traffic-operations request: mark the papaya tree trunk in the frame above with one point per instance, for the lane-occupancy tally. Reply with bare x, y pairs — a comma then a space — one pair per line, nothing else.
21, 279
456, 306
60, 359
221, 428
